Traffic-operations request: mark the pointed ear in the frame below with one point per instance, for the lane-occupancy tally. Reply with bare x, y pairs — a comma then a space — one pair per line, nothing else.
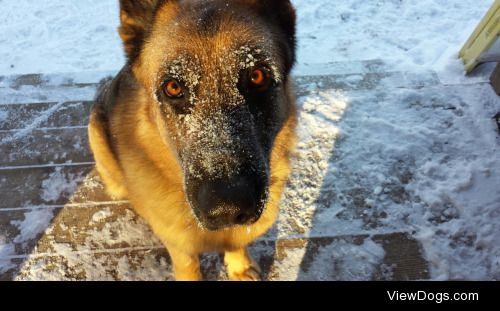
282, 14
136, 19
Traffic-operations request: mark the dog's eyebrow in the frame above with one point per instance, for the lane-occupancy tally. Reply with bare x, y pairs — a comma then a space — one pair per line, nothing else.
185, 68
252, 54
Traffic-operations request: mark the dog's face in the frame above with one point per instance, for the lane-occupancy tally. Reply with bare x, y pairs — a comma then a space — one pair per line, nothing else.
216, 73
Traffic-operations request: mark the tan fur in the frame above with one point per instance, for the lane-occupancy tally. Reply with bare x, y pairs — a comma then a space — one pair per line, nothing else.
147, 172
155, 184
106, 163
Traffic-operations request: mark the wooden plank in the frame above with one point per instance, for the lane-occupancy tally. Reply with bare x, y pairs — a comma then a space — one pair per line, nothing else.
483, 37
35, 94
366, 82
45, 146
406, 263
79, 228
19, 116
79, 79
48, 186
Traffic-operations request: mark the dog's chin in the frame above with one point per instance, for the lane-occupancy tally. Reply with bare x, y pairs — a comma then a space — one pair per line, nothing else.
206, 226
214, 226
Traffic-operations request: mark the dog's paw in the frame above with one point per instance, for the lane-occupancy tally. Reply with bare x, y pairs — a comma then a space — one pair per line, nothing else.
252, 273
241, 266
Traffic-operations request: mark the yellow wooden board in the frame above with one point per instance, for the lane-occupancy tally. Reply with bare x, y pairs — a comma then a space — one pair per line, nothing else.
483, 37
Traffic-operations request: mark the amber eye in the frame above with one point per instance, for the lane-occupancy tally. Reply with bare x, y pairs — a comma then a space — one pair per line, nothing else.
173, 89
258, 77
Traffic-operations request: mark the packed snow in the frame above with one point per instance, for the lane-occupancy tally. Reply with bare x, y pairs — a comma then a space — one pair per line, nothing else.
35, 221
59, 183
81, 36
406, 143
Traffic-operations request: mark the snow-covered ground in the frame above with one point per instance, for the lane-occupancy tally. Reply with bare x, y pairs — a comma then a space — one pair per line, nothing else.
74, 36
417, 153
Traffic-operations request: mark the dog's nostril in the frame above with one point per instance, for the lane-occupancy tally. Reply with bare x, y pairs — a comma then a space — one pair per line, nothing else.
223, 203
211, 218
241, 218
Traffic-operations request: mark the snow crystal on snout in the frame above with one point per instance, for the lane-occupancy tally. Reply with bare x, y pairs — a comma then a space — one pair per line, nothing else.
184, 69
218, 130
212, 147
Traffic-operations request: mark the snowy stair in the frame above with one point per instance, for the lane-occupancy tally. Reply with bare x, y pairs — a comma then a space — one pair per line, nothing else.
56, 222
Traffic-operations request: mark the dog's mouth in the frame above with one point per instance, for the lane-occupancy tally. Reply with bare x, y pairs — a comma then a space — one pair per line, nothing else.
225, 203
220, 223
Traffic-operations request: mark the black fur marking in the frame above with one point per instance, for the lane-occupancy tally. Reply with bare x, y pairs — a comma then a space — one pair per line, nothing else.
142, 14
209, 21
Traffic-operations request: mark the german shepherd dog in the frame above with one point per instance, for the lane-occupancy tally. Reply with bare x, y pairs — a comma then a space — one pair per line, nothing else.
197, 129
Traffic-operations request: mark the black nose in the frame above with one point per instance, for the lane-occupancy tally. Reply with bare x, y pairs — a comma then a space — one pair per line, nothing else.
224, 203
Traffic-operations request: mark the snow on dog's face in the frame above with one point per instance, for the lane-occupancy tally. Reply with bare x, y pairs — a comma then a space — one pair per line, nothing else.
215, 72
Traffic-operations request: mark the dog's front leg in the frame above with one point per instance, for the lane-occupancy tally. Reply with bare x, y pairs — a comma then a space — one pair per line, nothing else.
186, 266
241, 266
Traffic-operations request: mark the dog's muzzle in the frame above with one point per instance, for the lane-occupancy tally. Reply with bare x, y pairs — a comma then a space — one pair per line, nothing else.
222, 203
